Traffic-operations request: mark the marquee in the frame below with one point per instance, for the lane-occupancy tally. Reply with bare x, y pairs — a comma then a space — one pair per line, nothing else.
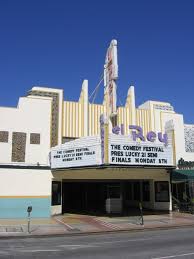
87, 151
125, 152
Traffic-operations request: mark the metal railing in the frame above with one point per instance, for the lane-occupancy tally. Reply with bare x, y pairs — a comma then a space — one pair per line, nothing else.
182, 206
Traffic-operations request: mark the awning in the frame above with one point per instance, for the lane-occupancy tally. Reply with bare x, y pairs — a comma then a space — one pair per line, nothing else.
182, 175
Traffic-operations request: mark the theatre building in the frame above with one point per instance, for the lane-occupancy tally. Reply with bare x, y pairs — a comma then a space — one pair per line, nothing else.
63, 156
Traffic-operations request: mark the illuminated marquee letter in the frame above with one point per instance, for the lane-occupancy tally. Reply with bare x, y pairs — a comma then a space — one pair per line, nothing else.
116, 130
138, 133
151, 136
163, 138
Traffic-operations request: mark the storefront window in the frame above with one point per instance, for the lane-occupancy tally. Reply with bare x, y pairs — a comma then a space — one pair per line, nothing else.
56, 193
146, 191
162, 191
114, 191
128, 191
136, 190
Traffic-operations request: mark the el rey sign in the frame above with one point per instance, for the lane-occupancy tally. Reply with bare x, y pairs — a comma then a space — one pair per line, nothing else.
137, 133
152, 149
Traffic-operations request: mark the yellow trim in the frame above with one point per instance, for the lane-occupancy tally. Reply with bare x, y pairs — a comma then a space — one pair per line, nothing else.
106, 135
74, 119
113, 173
161, 124
51, 123
44, 196
150, 120
174, 146
95, 120
82, 118
62, 119
150, 114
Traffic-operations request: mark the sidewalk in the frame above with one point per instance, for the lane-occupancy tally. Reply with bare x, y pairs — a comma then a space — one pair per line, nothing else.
80, 224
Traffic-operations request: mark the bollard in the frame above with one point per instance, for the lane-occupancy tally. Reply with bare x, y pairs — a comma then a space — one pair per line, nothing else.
29, 209
141, 214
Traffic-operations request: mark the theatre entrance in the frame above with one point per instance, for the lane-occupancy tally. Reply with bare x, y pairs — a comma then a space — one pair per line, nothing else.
104, 197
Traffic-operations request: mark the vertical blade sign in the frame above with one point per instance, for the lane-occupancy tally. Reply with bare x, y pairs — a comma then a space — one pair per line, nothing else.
110, 76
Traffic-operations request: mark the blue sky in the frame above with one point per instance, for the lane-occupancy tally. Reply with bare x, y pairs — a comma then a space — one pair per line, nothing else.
59, 43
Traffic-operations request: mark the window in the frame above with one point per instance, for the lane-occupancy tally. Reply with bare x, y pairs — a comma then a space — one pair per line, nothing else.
146, 191
128, 191
35, 138
114, 191
162, 191
56, 193
4, 136
18, 147
136, 191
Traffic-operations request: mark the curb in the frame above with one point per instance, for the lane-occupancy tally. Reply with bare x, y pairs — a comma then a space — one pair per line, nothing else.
95, 232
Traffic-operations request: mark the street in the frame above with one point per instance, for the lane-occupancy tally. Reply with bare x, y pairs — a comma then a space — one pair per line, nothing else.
172, 243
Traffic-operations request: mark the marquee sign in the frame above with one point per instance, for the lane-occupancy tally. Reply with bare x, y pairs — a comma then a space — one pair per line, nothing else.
182, 164
134, 150
122, 152
80, 152
137, 134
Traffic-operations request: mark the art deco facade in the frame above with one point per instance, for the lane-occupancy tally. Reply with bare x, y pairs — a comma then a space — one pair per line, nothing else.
44, 119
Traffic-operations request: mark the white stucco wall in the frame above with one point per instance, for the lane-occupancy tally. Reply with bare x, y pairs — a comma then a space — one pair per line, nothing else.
56, 210
160, 117
60, 111
178, 124
33, 115
25, 182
